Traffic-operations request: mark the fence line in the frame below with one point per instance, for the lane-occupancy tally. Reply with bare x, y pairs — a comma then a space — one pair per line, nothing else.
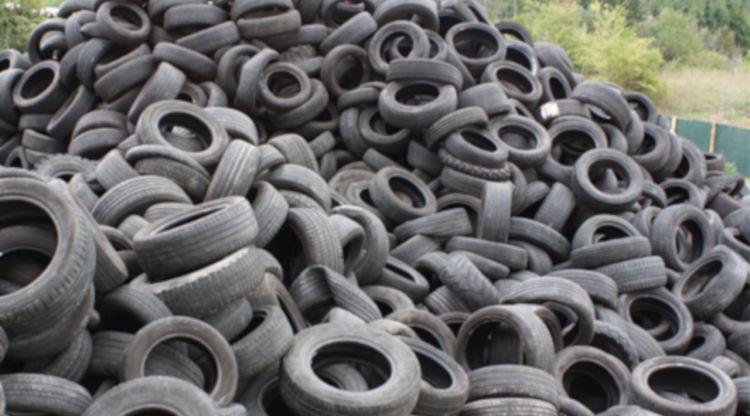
733, 142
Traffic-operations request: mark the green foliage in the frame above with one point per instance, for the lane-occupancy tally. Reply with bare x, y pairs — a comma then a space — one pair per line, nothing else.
708, 59
676, 34
17, 20
600, 42
730, 168
619, 55
563, 24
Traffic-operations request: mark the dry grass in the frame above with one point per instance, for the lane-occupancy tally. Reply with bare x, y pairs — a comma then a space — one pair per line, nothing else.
711, 95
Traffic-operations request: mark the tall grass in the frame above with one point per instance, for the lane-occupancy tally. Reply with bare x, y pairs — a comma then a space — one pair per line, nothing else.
712, 95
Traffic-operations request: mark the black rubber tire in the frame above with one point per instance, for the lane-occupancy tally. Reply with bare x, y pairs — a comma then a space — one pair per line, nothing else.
304, 392
164, 84
531, 343
269, 331
61, 285
709, 343
635, 308
438, 226
149, 132
554, 243
529, 131
419, 41
508, 407
26, 392
156, 332
712, 283
607, 252
649, 379
236, 172
557, 207
421, 199
156, 393
514, 257
438, 396
600, 287
604, 201
211, 39
608, 99
463, 278
206, 290
409, 111
318, 288
191, 239
374, 252
476, 62
664, 232
133, 196
611, 377
428, 327
518, 81
501, 381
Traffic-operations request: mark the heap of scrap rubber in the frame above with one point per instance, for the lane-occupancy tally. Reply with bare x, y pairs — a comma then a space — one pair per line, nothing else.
357, 208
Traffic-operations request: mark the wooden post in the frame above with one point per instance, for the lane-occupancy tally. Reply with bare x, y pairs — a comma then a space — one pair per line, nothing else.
712, 142
674, 124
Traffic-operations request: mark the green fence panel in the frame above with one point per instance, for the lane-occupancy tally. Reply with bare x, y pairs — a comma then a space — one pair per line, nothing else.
734, 144
699, 132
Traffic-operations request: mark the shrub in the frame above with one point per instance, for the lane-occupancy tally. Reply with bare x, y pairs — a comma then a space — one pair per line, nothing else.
676, 35
17, 20
617, 54
600, 42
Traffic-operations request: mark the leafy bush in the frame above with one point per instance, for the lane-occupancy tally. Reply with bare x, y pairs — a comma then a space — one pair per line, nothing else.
676, 34
600, 42
730, 168
17, 20
707, 59
619, 55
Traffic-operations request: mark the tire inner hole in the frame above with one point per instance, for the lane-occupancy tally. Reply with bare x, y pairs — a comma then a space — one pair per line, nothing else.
569, 144
696, 385
495, 342
478, 140
284, 84
38, 82
402, 187
518, 137
609, 176
433, 372
126, 17
514, 80
651, 313
693, 237
475, 43
378, 125
417, 94
183, 358
518, 55
371, 363
697, 282
21, 264
426, 335
350, 72
592, 385
184, 126
557, 88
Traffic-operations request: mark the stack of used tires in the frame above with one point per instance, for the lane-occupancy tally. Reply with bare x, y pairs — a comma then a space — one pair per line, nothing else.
361, 207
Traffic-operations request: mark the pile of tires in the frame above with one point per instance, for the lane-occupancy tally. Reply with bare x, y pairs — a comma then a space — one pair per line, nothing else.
361, 207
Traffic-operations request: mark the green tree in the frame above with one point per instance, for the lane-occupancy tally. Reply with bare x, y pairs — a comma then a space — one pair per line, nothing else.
561, 23
676, 34
619, 55
17, 20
